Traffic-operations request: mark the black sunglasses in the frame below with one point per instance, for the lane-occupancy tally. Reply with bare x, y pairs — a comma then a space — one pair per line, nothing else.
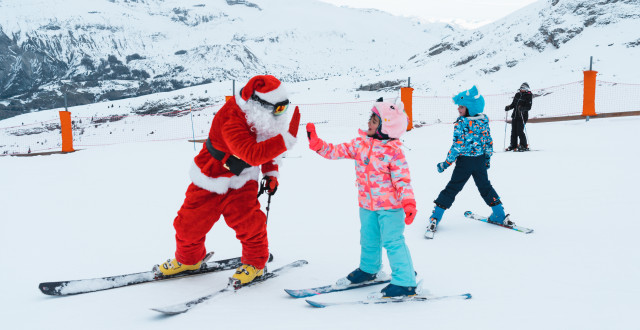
277, 109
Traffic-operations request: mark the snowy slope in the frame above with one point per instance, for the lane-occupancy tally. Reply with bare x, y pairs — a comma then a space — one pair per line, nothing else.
117, 49
105, 211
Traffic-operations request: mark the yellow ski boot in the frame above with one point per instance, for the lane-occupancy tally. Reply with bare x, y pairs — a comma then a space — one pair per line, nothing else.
245, 274
173, 267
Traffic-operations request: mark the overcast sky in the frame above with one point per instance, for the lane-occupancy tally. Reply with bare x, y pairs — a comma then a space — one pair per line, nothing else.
468, 13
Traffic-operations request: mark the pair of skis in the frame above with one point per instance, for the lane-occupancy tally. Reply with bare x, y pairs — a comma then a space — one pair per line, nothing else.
304, 293
74, 287
429, 234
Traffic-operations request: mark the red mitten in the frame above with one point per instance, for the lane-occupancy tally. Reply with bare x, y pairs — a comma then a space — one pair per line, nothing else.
409, 206
270, 184
314, 142
295, 123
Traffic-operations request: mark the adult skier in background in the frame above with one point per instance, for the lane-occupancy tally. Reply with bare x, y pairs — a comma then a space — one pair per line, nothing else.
471, 151
248, 136
385, 196
521, 104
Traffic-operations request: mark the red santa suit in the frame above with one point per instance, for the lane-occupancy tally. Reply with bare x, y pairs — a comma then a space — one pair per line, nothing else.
243, 128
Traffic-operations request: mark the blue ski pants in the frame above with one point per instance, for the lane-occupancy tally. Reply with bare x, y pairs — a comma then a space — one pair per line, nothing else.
385, 228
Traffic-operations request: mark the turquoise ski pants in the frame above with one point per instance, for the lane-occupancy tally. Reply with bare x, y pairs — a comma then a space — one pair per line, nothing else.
385, 228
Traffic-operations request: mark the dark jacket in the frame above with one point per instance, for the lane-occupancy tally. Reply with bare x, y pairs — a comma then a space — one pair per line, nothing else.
522, 102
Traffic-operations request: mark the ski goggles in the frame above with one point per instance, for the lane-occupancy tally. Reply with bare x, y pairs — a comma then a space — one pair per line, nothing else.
277, 109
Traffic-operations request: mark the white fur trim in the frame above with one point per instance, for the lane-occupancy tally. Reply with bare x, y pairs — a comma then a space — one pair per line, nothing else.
289, 140
222, 184
274, 174
278, 160
239, 101
277, 95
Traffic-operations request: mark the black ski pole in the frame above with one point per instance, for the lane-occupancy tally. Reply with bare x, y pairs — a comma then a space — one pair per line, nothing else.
268, 205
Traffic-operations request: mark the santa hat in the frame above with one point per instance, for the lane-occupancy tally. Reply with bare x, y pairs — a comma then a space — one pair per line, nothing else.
266, 87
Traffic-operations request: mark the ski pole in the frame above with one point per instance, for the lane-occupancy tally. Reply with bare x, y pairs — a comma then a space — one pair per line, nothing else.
524, 128
504, 141
263, 188
268, 205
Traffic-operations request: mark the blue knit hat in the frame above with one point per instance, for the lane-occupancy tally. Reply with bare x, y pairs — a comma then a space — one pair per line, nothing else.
470, 99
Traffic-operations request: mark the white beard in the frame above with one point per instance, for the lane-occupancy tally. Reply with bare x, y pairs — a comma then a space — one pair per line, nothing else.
263, 122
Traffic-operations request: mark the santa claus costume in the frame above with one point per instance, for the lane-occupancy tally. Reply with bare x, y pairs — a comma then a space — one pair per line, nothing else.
248, 136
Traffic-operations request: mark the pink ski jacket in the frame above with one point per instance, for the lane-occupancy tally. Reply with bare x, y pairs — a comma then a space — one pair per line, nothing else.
382, 172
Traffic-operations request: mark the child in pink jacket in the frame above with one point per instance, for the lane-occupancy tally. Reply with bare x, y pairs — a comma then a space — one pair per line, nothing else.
385, 196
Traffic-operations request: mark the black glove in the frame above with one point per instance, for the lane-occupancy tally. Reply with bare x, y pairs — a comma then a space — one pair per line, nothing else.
506, 108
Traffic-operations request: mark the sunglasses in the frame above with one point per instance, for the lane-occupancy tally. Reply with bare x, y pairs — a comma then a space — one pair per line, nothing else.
277, 109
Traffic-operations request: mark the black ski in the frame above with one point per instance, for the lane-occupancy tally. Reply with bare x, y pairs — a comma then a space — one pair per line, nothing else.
231, 287
72, 287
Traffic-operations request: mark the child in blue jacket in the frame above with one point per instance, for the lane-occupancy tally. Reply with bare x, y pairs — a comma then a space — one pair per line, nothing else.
471, 151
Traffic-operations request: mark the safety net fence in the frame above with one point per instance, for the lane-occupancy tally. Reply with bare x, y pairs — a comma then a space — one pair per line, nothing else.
90, 131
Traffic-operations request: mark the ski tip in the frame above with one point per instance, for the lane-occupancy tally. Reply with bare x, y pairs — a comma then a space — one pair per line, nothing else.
315, 304
466, 295
270, 257
300, 263
292, 293
468, 213
169, 312
47, 289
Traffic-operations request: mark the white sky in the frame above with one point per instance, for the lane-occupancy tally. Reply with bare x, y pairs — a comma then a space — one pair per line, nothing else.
467, 13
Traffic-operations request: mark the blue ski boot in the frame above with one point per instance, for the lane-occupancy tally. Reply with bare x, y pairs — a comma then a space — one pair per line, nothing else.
396, 291
359, 276
499, 217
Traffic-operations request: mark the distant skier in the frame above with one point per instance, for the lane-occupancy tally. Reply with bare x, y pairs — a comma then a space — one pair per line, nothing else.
248, 135
385, 196
471, 150
521, 104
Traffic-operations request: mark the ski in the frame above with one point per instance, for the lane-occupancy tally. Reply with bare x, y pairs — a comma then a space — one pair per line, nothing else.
303, 293
428, 234
515, 150
373, 301
233, 286
474, 216
73, 287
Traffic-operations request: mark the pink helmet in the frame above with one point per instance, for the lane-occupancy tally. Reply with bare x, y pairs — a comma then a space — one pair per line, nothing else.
393, 119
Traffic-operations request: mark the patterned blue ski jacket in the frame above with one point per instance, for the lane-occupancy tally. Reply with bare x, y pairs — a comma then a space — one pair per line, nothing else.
471, 137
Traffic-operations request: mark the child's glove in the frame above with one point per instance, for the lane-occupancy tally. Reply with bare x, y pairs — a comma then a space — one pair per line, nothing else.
315, 143
409, 206
487, 161
507, 108
443, 166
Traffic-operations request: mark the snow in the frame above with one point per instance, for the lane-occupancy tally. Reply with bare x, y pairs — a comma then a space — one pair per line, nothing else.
109, 210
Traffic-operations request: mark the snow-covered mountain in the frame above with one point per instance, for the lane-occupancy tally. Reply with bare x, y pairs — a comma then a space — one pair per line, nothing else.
547, 42
119, 48
112, 49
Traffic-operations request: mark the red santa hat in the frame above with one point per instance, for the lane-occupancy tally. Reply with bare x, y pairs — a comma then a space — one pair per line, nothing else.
266, 87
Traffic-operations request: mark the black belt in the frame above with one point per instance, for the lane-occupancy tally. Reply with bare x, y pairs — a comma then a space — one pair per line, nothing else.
234, 164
